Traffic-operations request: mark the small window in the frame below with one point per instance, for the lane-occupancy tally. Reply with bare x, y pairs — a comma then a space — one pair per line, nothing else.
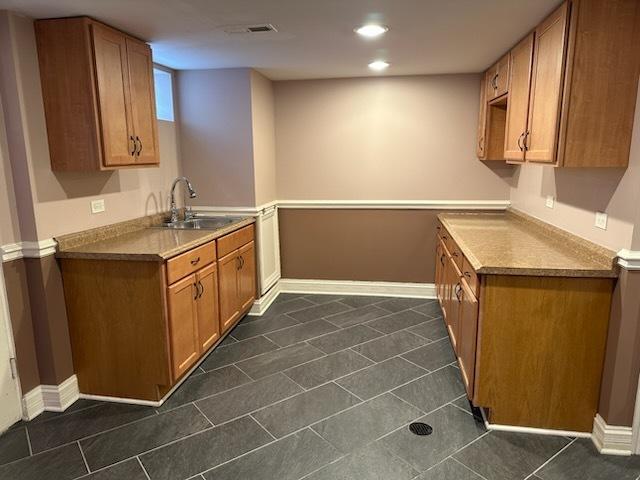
164, 94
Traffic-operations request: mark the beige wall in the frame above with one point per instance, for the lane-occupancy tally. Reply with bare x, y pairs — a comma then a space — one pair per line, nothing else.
61, 201
390, 138
215, 135
581, 192
264, 140
9, 224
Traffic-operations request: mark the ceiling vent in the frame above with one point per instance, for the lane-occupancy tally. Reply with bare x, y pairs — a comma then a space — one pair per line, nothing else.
257, 28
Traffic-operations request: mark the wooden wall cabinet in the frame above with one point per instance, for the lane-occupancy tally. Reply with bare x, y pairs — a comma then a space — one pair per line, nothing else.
137, 327
573, 86
508, 332
98, 93
497, 79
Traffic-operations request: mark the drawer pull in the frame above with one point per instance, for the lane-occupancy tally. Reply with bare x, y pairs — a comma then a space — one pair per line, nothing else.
467, 274
195, 261
454, 254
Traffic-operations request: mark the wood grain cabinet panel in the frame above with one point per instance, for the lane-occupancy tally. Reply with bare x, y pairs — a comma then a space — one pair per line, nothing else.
518, 106
183, 324
229, 290
207, 307
467, 333
247, 276
98, 93
572, 87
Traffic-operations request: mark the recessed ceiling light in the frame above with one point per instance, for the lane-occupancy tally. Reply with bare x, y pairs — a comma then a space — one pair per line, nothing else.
371, 30
378, 65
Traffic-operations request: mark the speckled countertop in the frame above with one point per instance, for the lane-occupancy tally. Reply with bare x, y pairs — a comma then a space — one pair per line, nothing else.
149, 243
513, 243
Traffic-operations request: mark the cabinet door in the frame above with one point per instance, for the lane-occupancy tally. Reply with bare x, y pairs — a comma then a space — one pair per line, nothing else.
183, 324
247, 276
439, 266
112, 77
229, 291
546, 88
208, 312
518, 105
143, 102
502, 76
482, 122
451, 300
467, 335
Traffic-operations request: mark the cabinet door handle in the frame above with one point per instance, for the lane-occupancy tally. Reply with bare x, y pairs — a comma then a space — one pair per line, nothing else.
197, 291
525, 142
238, 263
139, 142
241, 261
135, 145
201, 287
519, 144
195, 261
442, 259
494, 81
458, 289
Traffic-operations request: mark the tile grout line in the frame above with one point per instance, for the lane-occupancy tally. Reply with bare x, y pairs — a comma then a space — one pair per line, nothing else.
26, 431
202, 413
263, 427
453, 459
84, 459
144, 470
553, 456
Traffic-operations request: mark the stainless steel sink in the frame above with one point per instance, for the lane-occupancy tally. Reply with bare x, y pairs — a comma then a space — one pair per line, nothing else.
203, 223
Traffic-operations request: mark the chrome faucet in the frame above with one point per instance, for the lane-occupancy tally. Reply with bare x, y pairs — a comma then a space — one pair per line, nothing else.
192, 194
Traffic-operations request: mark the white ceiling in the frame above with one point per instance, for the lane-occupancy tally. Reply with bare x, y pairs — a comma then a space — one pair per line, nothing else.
315, 38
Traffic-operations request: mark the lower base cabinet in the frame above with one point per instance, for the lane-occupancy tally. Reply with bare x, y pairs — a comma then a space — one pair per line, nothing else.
530, 348
137, 327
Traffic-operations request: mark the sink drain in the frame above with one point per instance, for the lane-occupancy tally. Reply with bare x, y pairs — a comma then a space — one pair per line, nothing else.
419, 428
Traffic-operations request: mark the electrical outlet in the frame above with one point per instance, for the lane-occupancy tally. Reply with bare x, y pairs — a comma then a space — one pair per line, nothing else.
601, 220
550, 201
97, 206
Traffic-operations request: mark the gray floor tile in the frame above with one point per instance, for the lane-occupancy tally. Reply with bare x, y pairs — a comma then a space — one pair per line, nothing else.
69, 428
63, 463
433, 330
463, 403
13, 445
345, 338
235, 352
300, 333
399, 304
323, 298
128, 441
357, 316
509, 455
390, 345
452, 429
279, 307
581, 461
287, 459
205, 385
319, 311
449, 470
372, 462
433, 355
129, 470
398, 321
357, 301
247, 398
205, 450
327, 368
228, 340
278, 360
365, 423
80, 404
285, 297
380, 377
431, 309
304, 409
434, 390
262, 326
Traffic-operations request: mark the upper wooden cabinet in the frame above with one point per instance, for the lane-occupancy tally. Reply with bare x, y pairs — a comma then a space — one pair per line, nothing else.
573, 86
497, 78
99, 100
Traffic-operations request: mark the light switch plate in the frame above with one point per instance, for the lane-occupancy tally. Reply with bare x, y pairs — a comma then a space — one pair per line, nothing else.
601, 220
550, 201
97, 206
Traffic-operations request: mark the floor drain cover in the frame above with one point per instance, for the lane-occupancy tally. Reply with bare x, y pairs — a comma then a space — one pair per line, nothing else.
420, 428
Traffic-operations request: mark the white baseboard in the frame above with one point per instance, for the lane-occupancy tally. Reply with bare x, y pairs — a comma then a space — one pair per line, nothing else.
347, 287
50, 398
611, 439
263, 303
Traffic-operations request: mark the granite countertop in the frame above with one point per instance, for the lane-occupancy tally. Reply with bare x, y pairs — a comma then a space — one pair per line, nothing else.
147, 244
513, 243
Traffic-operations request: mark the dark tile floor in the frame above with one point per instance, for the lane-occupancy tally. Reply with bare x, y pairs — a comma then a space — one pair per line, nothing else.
319, 388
